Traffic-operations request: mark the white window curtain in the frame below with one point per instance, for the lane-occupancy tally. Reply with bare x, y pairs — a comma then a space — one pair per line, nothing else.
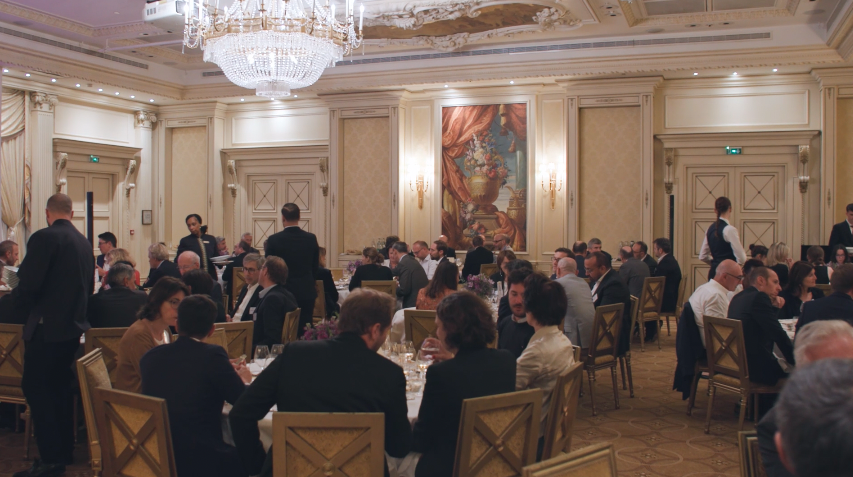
12, 164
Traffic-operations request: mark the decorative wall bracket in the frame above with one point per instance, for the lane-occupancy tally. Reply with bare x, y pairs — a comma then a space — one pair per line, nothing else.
324, 168
550, 182
804, 175
59, 172
232, 171
417, 183
668, 160
144, 119
128, 186
43, 101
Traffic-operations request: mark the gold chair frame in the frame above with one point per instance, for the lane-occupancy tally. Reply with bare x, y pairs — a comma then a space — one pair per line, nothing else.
489, 269
420, 325
562, 412
107, 340
238, 281
682, 286
751, 464
239, 337
700, 367
11, 392
92, 373
384, 286
479, 419
218, 338
604, 347
826, 289
302, 444
651, 301
625, 359
291, 326
593, 461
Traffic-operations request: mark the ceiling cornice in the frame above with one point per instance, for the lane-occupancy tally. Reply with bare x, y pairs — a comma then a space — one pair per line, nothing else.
79, 96
584, 87
707, 17
37, 16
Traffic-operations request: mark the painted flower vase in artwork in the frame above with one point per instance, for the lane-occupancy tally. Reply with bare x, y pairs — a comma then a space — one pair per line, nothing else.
517, 210
486, 168
484, 191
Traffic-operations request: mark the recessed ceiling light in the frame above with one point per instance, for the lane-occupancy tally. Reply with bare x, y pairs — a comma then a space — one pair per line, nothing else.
27, 75
242, 99
5, 70
77, 85
445, 86
116, 93
734, 74
512, 82
132, 96
775, 69
53, 80
100, 89
150, 100
295, 95
695, 74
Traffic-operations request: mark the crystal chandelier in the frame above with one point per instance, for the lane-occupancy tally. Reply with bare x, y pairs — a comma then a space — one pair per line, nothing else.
272, 46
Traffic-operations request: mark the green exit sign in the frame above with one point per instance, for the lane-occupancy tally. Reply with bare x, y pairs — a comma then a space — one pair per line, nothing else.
734, 150
94, 159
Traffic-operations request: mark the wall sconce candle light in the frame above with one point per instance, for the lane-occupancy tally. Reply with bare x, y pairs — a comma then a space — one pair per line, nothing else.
549, 173
417, 183
804, 175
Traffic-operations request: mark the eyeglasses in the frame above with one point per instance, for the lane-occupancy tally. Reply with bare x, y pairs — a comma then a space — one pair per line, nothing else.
737, 277
250, 270
175, 302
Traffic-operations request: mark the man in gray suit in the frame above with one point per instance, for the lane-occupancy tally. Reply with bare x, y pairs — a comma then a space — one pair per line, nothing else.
581, 312
411, 276
633, 272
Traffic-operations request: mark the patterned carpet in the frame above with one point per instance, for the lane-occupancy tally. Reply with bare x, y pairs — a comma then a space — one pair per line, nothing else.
651, 433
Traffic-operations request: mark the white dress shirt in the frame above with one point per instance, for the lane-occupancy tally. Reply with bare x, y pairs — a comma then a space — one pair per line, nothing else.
709, 299
598, 282
250, 292
730, 235
429, 266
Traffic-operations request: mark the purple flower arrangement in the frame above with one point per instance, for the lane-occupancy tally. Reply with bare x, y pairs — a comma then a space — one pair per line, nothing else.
351, 266
480, 285
324, 330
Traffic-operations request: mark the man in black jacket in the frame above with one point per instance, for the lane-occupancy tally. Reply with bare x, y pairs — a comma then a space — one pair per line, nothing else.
842, 233
275, 302
761, 327
196, 379
342, 374
330, 291
514, 332
57, 277
838, 305
641, 252
608, 289
158, 259
475, 258
668, 268
301, 253
451, 252
117, 306
250, 296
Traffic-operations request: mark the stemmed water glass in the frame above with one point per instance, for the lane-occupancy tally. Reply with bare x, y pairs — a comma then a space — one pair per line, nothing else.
275, 351
262, 353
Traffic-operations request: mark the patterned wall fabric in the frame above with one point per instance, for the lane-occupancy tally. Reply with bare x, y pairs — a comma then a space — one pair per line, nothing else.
610, 197
844, 159
189, 179
367, 182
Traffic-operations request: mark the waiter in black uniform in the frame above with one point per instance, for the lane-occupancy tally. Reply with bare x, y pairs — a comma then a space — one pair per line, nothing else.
199, 242
56, 280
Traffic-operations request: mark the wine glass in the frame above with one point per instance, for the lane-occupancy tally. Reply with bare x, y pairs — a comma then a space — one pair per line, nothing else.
408, 351
275, 351
424, 360
262, 353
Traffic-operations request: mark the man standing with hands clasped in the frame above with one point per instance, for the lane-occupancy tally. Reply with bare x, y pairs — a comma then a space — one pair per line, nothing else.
56, 279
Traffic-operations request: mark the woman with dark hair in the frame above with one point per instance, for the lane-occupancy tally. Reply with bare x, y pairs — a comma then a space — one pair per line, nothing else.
504, 257
721, 240
443, 283
200, 283
548, 353
371, 268
468, 368
839, 256
800, 289
150, 329
199, 242
815, 256
758, 252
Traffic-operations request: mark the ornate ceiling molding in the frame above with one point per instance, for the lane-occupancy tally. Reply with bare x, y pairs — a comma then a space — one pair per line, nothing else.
706, 17
54, 21
411, 16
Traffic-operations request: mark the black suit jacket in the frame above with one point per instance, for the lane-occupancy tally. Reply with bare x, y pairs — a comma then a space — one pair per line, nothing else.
471, 374
195, 379
836, 306
301, 253
412, 278
761, 329
190, 244
236, 262
343, 376
451, 253
115, 308
610, 292
668, 267
579, 259
57, 277
766, 430
330, 292
652, 263
165, 269
474, 259
269, 316
369, 272
253, 302
840, 235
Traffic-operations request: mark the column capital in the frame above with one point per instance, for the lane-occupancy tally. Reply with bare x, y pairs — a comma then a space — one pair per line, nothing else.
44, 102
144, 119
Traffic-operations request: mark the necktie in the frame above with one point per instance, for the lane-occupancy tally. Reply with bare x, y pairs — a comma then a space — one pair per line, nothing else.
203, 255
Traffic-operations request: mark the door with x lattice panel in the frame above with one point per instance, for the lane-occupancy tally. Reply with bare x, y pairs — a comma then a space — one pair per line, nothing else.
267, 193
758, 209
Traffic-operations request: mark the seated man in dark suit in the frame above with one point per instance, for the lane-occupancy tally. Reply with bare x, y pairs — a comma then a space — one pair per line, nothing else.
761, 328
667, 267
579, 249
475, 258
196, 379
816, 341
330, 291
451, 252
842, 233
608, 289
240, 251
200, 283
188, 261
275, 302
158, 259
836, 306
117, 306
247, 301
411, 276
342, 374
514, 332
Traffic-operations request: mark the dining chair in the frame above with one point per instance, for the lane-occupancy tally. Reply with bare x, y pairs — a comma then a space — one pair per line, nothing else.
604, 347
135, 435
420, 325
826, 289
291, 326
498, 434
384, 286
239, 337
328, 444
488, 269
218, 338
12, 374
751, 464
682, 285
562, 412
319, 313
92, 373
107, 340
238, 281
700, 368
625, 358
651, 300
593, 461
727, 366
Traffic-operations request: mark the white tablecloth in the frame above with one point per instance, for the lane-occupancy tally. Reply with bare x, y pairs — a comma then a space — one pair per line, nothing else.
342, 295
398, 327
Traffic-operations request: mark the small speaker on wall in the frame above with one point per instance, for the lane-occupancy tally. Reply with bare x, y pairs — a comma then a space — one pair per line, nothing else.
146, 217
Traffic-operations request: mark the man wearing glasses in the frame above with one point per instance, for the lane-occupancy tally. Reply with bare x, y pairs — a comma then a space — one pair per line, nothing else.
501, 242
250, 294
712, 299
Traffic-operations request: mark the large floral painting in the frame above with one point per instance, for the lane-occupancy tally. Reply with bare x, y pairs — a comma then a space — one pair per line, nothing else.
484, 173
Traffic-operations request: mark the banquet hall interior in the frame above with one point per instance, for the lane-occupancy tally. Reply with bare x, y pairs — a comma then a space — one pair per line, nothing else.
521, 125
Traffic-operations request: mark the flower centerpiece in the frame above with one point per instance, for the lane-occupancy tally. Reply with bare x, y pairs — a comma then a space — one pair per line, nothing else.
351, 266
324, 330
480, 285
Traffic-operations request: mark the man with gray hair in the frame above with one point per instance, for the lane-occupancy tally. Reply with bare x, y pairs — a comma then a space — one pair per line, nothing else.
712, 298
815, 341
580, 313
158, 259
191, 261
117, 306
501, 242
250, 296
411, 276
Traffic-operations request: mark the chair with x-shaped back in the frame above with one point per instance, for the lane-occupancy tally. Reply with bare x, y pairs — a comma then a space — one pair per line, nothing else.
107, 339
11, 375
239, 337
562, 412
498, 434
650, 302
420, 325
603, 352
135, 435
330, 444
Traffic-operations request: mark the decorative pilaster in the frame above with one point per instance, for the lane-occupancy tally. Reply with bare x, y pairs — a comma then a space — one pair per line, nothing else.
42, 107
144, 122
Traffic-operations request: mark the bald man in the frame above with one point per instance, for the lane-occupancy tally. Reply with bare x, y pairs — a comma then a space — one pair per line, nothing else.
191, 261
712, 297
580, 313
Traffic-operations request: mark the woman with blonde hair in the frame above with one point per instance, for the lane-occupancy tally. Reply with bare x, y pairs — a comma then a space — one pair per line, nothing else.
121, 255
779, 260
371, 268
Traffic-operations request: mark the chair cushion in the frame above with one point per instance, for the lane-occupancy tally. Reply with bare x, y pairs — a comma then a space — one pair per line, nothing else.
601, 360
727, 380
651, 316
13, 391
